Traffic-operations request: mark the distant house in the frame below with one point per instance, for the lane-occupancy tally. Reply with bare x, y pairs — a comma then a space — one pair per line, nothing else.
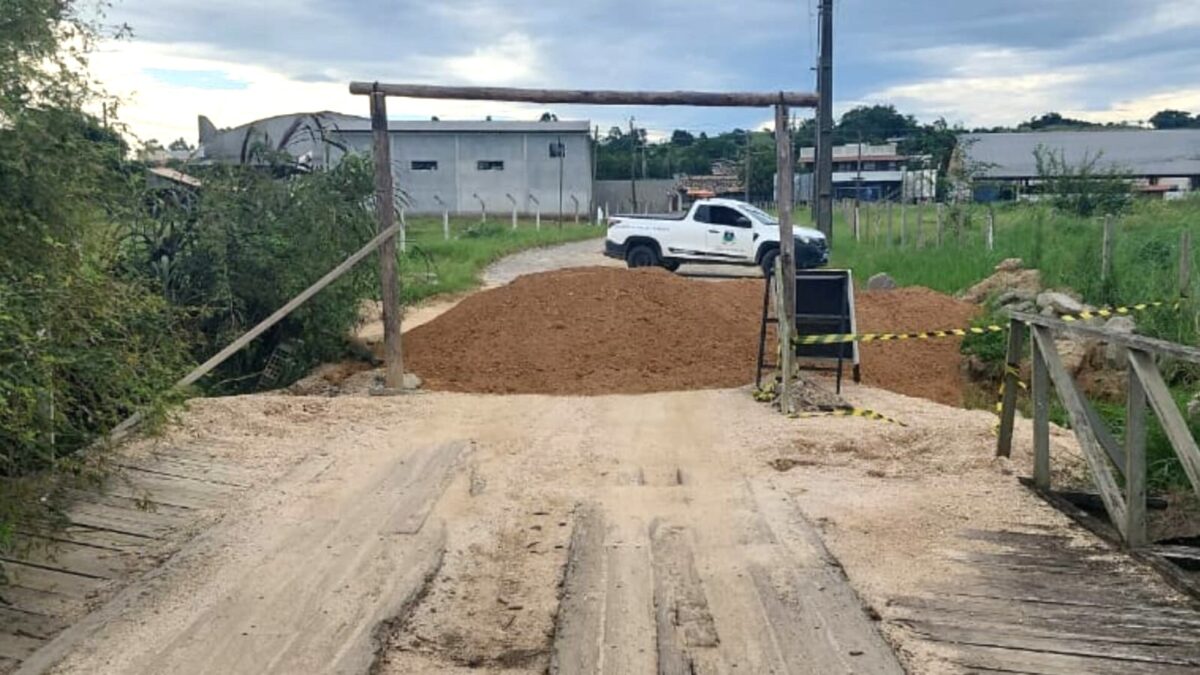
722, 181
1163, 164
453, 163
871, 173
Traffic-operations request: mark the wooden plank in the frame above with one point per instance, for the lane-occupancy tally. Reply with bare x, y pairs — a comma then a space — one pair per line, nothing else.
1168, 414
686, 633
31, 624
166, 467
628, 644
41, 602
143, 523
1135, 463
74, 558
177, 491
418, 482
980, 658
76, 586
1041, 419
590, 97
1114, 450
1129, 341
1094, 455
18, 647
1008, 406
581, 609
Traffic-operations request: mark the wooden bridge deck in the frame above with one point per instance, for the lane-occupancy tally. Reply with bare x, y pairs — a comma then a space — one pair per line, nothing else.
111, 537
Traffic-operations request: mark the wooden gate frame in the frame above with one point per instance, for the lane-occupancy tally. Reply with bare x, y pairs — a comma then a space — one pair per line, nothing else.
1100, 450
384, 188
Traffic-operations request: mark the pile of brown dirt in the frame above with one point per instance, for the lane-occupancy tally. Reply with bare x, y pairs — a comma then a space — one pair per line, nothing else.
593, 331
590, 331
929, 369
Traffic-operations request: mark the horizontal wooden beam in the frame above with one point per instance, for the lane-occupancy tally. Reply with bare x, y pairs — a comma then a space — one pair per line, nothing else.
707, 99
1151, 345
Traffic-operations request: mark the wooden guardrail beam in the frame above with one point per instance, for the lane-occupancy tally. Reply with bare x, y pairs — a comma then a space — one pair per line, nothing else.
708, 99
1146, 344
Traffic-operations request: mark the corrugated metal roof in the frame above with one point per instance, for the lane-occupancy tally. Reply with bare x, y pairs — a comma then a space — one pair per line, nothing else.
1134, 152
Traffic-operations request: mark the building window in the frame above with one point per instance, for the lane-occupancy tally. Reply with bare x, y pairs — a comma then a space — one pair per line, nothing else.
424, 166
868, 166
557, 150
489, 165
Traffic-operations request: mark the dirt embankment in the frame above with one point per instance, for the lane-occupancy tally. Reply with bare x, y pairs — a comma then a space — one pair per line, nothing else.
591, 331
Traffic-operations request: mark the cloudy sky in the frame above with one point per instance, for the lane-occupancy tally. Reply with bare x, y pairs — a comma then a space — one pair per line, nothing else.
979, 62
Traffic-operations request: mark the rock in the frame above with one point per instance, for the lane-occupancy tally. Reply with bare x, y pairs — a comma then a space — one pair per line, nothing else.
1010, 265
1048, 311
1014, 296
1001, 282
1061, 303
881, 282
1026, 306
1114, 355
1075, 353
1193, 407
412, 381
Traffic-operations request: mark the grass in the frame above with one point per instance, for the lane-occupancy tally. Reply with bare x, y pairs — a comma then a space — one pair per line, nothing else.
1067, 251
434, 265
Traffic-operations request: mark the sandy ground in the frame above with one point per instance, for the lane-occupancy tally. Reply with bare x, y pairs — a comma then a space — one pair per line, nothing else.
881, 492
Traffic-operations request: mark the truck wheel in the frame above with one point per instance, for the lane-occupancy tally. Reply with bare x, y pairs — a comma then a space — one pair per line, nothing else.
768, 262
670, 265
641, 256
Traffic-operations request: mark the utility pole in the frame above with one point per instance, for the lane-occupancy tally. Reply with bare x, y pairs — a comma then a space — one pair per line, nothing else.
858, 187
562, 151
824, 165
633, 164
595, 155
749, 137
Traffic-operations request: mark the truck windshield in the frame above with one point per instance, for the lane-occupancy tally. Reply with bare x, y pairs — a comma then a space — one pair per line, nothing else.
760, 215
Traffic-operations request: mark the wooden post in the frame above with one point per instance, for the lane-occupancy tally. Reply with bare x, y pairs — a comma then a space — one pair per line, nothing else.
1106, 249
921, 224
385, 212
1008, 406
891, 205
1135, 463
787, 247
1041, 418
1185, 264
940, 223
991, 228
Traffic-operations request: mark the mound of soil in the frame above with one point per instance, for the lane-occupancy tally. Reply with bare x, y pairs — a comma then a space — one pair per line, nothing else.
930, 369
593, 331
590, 331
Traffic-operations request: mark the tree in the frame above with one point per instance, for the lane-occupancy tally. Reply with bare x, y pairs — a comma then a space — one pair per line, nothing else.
1174, 119
682, 138
1053, 121
179, 145
873, 124
549, 117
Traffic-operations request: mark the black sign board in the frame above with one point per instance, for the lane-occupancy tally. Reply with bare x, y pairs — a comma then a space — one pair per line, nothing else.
824, 306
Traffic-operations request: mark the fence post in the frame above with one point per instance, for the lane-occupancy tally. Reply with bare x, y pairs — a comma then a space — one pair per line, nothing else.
446, 224
991, 228
1135, 462
1041, 418
921, 224
385, 211
576, 200
482, 208
940, 224
857, 224
1106, 249
891, 205
537, 212
403, 237
1185, 264
903, 223
514, 209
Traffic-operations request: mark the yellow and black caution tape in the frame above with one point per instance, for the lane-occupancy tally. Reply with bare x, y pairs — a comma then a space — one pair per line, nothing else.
839, 338
850, 412
1106, 312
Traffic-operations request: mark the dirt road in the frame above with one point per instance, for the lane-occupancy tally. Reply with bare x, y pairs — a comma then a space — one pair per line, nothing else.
298, 577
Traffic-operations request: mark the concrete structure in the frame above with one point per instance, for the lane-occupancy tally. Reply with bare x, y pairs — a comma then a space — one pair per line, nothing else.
1003, 165
458, 163
873, 173
654, 195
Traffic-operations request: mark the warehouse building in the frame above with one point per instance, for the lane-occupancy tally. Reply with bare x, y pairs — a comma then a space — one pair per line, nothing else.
1163, 164
871, 173
464, 166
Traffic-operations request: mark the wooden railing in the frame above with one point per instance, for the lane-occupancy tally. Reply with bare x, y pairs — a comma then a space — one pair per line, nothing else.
1126, 508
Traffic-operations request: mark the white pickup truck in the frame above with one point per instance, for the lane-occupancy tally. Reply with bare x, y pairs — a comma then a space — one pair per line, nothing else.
724, 231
